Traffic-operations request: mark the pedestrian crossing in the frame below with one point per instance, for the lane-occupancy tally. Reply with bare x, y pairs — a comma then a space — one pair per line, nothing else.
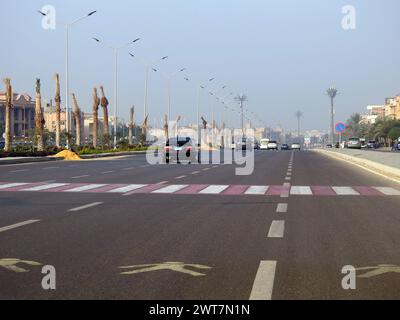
200, 189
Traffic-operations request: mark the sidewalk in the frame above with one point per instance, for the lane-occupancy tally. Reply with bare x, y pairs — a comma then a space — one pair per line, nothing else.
386, 164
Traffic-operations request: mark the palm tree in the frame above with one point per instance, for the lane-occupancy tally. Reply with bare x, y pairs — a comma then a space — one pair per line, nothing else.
104, 104
166, 127
77, 113
39, 120
95, 109
9, 99
131, 113
57, 99
298, 114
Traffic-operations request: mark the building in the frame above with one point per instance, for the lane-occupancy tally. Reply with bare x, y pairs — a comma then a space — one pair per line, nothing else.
49, 114
392, 107
22, 114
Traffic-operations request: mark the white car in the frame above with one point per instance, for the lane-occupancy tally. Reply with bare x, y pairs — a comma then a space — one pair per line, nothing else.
272, 145
296, 146
264, 144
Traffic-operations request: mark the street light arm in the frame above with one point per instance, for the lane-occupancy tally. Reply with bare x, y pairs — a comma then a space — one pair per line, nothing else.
81, 18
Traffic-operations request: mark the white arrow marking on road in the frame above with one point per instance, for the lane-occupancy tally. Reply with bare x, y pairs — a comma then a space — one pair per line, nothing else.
345, 191
214, 189
171, 189
264, 282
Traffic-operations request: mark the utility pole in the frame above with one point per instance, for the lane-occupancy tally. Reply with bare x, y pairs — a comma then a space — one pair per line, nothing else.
241, 98
332, 92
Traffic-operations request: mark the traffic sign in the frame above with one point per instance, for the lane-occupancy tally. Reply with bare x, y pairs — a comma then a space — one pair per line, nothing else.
340, 127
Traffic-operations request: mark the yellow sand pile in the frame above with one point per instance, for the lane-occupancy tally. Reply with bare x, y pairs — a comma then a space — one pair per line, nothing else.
68, 155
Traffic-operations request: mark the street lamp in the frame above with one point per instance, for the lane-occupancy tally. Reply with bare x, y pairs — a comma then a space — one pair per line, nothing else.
115, 49
240, 99
67, 26
332, 92
147, 66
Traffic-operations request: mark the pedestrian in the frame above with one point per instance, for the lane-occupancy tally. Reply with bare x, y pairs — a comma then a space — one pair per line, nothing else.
394, 146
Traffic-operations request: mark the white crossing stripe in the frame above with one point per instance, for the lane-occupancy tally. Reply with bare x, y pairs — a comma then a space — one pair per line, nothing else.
277, 229
171, 189
345, 191
45, 187
256, 190
304, 190
129, 187
12, 185
214, 189
281, 207
89, 205
19, 224
85, 187
388, 191
264, 282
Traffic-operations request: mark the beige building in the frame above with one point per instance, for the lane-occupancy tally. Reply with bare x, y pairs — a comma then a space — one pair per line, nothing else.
392, 107
22, 114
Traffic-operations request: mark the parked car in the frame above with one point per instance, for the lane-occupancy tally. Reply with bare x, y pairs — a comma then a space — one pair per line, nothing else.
264, 144
354, 143
295, 146
272, 145
285, 146
256, 145
179, 149
371, 144
243, 144
329, 145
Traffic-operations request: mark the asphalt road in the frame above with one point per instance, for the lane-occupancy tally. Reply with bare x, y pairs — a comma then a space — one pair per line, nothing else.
238, 245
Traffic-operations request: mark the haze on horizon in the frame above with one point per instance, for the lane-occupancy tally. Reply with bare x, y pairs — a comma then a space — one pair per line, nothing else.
282, 54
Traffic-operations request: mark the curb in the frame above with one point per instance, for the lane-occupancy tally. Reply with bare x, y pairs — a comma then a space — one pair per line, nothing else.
386, 171
29, 160
110, 154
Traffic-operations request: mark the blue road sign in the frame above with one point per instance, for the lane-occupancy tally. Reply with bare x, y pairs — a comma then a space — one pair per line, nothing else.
340, 127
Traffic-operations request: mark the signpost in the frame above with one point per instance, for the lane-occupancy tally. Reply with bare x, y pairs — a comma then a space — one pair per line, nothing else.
340, 127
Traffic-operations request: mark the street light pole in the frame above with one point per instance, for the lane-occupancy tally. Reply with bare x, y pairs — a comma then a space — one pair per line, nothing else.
332, 92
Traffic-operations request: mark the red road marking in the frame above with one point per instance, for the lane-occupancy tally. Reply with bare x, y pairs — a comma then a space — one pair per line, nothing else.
192, 189
235, 190
323, 191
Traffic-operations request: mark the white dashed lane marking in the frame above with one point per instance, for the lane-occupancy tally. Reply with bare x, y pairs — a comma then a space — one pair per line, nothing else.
89, 205
264, 282
16, 225
82, 176
282, 207
276, 229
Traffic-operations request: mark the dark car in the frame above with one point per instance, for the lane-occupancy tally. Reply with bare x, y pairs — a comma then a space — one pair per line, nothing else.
285, 146
179, 149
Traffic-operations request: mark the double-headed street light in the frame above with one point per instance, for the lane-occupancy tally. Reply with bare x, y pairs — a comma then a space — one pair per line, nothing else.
67, 26
115, 49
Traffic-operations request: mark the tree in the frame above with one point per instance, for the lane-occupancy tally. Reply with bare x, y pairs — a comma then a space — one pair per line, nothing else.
8, 103
39, 120
77, 113
394, 133
95, 110
106, 132
57, 99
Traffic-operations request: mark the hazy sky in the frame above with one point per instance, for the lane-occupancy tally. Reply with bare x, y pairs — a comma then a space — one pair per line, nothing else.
283, 54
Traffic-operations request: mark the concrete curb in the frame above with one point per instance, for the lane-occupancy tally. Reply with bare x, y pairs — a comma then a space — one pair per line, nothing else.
111, 154
5, 161
386, 171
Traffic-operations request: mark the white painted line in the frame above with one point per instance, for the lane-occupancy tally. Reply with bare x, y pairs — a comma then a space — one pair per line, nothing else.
288, 178
286, 184
77, 177
16, 225
205, 169
48, 168
277, 229
45, 187
195, 172
171, 189
214, 189
73, 165
85, 187
20, 170
281, 207
388, 191
130, 168
289, 170
127, 188
288, 173
300, 190
180, 177
345, 191
85, 206
12, 185
264, 282
257, 190
215, 166
105, 172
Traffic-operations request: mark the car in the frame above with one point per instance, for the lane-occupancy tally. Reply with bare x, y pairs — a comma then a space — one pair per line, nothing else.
354, 143
285, 146
256, 145
179, 150
264, 144
233, 145
272, 145
295, 146
243, 144
329, 145
371, 144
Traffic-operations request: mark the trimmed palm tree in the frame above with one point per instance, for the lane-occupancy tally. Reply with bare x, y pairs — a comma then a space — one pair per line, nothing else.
104, 105
77, 114
8, 102
39, 120
130, 134
57, 99
95, 110
166, 127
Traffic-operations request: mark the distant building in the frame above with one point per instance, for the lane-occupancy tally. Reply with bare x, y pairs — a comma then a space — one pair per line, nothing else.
22, 114
392, 107
49, 114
